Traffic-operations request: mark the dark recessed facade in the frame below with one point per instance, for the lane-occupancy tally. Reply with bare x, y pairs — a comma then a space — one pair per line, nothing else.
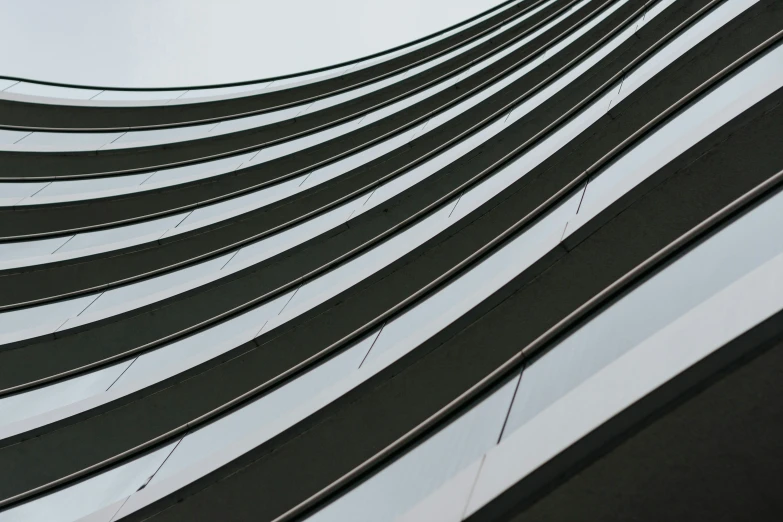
529, 268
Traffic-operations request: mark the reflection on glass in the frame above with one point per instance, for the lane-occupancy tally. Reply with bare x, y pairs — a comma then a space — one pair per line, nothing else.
119, 95
716, 263
337, 99
203, 345
609, 363
369, 262
88, 496
264, 410
148, 291
40, 400
461, 294
410, 478
707, 25
119, 236
356, 160
197, 170
89, 141
602, 340
407, 480
711, 111
227, 209
392, 188
321, 283
470, 200
728, 256
310, 140
379, 195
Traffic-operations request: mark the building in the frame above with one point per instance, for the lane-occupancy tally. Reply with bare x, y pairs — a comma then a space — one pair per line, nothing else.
528, 268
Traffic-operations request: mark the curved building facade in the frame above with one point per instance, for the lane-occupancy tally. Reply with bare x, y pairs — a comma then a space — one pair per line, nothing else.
529, 268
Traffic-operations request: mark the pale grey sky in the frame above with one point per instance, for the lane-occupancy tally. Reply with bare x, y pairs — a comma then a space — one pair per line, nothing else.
153, 43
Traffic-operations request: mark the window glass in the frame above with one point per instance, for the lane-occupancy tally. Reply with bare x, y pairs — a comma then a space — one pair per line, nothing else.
203, 345
707, 25
294, 81
257, 120
270, 246
689, 309
223, 210
460, 295
718, 262
113, 238
146, 291
352, 161
369, 262
352, 94
263, 410
743, 255
83, 498
738, 249
410, 478
198, 170
289, 147
711, 111
24, 405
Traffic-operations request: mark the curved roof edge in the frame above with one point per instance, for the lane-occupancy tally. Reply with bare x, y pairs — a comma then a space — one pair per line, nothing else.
271, 78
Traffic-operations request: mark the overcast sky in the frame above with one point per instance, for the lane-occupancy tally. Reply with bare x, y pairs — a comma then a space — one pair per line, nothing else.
152, 43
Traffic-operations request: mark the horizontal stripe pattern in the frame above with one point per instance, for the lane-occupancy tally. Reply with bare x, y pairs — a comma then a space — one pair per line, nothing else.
255, 334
